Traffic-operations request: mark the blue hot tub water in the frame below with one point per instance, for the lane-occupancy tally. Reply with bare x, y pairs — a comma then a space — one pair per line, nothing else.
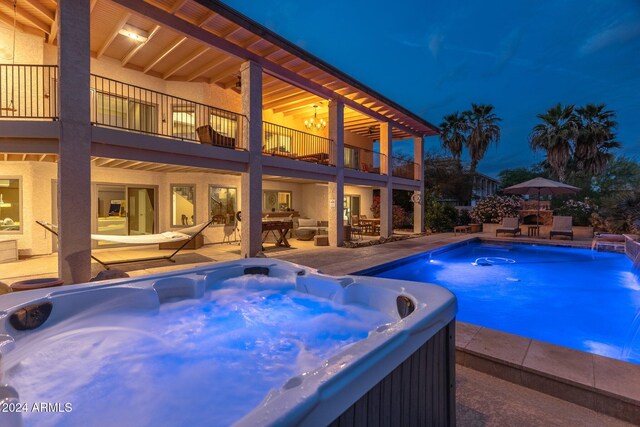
576, 298
198, 362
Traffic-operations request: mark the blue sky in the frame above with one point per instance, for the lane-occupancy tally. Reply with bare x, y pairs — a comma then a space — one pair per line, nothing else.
435, 58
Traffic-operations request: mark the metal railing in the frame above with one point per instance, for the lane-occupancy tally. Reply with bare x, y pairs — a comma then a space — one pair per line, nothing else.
403, 168
363, 160
286, 142
28, 91
124, 106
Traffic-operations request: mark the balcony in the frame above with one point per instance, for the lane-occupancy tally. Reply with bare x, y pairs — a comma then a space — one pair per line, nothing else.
293, 144
123, 106
404, 168
28, 92
363, 160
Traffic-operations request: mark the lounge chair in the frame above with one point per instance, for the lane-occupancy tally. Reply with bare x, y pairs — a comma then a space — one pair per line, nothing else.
509, 225
207, 135
562, 226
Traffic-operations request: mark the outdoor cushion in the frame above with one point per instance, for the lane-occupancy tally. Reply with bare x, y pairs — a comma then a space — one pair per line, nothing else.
307, 222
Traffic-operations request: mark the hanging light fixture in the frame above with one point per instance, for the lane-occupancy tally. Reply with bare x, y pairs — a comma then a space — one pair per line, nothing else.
314, 123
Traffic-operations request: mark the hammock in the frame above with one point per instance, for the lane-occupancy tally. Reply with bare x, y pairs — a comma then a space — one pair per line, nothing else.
185, 234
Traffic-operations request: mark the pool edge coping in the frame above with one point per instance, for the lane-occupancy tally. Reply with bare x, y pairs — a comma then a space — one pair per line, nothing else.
546, 379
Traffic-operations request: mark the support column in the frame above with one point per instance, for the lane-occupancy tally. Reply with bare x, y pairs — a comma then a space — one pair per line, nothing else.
336, 188
74, 152
251, 180
386, 192
418, 204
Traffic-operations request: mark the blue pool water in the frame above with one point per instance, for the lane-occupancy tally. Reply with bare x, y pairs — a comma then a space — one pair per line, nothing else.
576, 298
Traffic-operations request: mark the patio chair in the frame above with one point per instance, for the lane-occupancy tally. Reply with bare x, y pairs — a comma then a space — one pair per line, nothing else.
509, 225
562, 226
356, 228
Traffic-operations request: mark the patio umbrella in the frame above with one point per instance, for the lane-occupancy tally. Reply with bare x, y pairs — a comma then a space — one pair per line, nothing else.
541, 187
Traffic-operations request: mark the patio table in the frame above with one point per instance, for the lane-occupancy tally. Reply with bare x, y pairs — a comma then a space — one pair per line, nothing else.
278, 229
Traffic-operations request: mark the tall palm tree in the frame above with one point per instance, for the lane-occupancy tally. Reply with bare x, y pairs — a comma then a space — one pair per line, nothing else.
555, 134
483, 130
453, 135
595, 138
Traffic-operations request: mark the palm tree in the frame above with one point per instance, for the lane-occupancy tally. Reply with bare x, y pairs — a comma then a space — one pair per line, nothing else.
595, 138
453, 135
558, 129
483, 130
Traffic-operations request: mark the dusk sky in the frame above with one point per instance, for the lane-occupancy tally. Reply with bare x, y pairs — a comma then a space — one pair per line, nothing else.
436, 58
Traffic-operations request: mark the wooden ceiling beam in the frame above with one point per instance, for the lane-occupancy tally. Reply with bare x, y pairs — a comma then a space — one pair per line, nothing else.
197, 54
113, 35
9, 21
226, 71
296, 101
177, 6
36, 22
40, 8
303, 103
54, 29
216, 62
173, 46
124, 61
161, 17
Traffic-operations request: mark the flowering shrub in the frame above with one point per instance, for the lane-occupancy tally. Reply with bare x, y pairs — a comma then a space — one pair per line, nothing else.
398, 214
580, 211
493, 208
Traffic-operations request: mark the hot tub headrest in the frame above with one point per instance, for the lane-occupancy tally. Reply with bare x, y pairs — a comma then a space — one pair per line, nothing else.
405, 306
31, 316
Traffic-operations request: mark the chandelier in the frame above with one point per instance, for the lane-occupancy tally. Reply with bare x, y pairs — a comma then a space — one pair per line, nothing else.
314, 123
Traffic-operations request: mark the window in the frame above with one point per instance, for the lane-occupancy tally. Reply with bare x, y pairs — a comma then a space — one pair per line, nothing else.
184, 122
351, 207
118, 111
183, 205
222, 204
226, 124
351, 157
276, 200
10, 206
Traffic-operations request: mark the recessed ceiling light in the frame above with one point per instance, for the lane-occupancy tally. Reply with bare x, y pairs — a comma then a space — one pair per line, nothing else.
134, 33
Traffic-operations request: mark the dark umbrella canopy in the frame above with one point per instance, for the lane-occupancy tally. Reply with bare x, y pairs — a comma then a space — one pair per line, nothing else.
541, 187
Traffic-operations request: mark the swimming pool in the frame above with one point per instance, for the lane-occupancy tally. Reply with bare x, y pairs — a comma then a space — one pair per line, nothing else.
576, 298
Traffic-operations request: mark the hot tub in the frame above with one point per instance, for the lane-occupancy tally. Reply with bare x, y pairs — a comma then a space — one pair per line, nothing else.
399, 370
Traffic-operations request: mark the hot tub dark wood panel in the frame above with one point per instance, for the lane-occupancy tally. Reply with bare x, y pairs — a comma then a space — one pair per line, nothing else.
419, 392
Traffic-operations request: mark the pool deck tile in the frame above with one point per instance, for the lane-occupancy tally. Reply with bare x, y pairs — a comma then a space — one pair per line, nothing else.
465, 333
560, 362
617, 377
508, 348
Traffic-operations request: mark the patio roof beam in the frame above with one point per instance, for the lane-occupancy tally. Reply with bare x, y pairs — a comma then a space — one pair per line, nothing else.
174, 45
163, 18
42, 10
216, 62
36, 22
197, 54
113, 35
225, 72
124, 61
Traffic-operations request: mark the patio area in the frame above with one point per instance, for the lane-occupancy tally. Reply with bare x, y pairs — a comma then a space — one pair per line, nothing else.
481, 399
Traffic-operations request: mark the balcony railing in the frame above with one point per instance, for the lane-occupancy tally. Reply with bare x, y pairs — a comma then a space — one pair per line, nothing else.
28, 91
363, 160
285, 142
124, 106
403, 168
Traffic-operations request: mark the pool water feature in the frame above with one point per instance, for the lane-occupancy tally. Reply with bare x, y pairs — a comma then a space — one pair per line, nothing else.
211, 346
576, 298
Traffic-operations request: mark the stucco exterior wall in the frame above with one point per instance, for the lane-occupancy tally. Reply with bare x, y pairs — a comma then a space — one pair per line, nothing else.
29, 48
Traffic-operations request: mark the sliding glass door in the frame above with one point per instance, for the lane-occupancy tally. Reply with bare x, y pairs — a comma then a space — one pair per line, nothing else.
125, 211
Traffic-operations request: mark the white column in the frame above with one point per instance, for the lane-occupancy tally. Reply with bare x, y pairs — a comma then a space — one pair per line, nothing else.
251, 180
418, 206
74, 152
386, 192
336, 188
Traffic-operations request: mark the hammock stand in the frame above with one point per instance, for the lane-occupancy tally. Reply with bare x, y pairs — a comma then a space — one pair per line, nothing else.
139, 240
